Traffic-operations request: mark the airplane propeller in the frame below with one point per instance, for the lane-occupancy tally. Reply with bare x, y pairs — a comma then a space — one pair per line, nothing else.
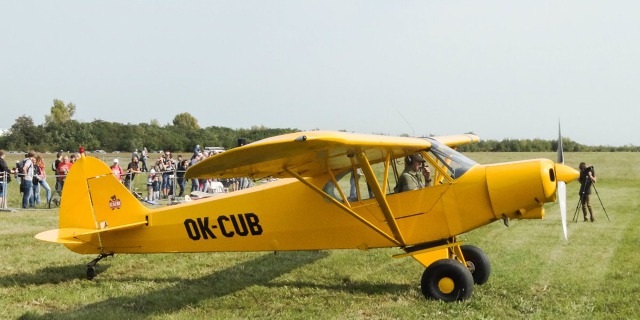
562, 186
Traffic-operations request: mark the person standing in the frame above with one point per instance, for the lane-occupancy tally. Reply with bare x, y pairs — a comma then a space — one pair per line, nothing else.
587, 178
183, 165
167, 173
132, 170
63, 169
40, 179
27, 179
150, 185
54, 167
117, 170
5, 178
143, 159
195, 183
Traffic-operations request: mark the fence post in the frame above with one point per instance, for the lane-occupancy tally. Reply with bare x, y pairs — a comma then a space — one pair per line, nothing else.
175, 180
5, 192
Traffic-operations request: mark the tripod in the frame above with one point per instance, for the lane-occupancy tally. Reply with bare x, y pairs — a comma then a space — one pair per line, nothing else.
582, 194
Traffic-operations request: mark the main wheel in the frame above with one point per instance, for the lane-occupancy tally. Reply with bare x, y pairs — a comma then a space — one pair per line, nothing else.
91, 273
477, 262
447, 280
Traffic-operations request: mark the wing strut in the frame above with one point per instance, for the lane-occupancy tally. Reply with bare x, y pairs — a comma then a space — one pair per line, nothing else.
380, 195
345, 208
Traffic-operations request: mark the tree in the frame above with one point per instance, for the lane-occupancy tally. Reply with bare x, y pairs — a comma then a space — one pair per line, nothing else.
186, 120
60, 113
24, 134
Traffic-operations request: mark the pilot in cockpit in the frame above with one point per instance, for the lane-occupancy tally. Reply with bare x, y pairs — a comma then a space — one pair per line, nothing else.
413, 174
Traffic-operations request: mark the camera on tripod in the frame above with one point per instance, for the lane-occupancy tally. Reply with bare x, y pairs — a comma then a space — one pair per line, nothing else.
585, 185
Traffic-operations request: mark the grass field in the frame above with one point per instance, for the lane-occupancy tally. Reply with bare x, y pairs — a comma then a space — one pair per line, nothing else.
536, 274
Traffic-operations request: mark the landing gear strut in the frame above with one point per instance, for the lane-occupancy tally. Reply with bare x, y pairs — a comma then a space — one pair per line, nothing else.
91, 266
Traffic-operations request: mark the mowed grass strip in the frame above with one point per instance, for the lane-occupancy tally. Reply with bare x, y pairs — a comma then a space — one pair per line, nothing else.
536, 274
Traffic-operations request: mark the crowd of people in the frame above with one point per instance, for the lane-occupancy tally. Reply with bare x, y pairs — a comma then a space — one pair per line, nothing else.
165, 175
32, 175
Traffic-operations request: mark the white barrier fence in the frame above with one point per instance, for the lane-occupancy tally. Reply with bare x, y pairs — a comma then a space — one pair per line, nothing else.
51, 198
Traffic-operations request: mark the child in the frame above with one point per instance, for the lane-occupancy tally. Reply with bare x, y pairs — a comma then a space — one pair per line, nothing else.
156, 187
150, 185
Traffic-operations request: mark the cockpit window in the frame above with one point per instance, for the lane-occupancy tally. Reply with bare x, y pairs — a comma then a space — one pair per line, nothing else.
445, 165
454, 163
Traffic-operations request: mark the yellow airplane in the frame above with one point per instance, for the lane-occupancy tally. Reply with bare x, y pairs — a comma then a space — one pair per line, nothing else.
314, 206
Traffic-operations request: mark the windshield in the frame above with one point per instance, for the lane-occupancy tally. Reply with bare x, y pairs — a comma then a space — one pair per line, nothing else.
452, 161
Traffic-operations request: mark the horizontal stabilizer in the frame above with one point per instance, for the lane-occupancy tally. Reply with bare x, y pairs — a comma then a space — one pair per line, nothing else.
79, 235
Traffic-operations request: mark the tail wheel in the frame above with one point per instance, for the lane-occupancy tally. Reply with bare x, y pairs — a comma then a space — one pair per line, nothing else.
447, 280
477, 262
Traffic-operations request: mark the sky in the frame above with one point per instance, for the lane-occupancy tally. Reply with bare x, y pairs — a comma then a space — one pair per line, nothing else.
500, 69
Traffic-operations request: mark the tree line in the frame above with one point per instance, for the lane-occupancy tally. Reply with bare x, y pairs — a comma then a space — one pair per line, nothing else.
540, 145
61, 132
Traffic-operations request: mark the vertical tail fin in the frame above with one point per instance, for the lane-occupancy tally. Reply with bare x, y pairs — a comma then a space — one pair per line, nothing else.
93, 201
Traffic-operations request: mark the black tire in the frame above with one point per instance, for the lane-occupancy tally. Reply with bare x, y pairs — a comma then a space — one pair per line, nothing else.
447, 280
477, 262
91, 273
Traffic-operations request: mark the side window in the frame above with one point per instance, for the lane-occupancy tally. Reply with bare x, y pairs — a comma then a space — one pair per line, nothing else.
355, 186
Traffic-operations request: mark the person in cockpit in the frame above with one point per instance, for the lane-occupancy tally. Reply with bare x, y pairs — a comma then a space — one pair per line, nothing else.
413, 174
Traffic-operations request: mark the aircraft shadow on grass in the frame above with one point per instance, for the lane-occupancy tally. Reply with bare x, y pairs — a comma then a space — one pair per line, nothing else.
47, 275
351, 287
258, 271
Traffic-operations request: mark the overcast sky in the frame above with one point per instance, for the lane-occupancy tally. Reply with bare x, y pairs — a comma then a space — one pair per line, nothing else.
502, 69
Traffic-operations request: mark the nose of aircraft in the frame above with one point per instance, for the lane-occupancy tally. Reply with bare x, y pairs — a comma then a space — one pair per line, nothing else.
565, 173
519, 189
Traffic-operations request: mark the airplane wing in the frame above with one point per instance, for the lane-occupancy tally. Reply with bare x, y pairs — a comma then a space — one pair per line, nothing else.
455, 141
305, 153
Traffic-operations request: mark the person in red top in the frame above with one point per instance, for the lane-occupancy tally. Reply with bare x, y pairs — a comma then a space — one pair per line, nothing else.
117, 170
63, 169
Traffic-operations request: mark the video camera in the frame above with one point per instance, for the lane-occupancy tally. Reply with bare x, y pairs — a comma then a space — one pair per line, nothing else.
590, 169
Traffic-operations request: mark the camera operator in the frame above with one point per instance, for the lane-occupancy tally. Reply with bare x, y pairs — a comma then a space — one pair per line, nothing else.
587, 178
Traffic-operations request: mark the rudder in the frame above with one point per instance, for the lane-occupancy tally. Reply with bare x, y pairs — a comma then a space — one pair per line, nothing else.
94, 199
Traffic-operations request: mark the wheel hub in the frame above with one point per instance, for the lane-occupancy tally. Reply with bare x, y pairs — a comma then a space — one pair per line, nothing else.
446, 285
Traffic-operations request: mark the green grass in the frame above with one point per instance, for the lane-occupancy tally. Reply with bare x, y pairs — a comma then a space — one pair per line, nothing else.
536, 274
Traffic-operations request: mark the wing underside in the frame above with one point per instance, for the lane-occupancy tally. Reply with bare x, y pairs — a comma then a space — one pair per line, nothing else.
307, 154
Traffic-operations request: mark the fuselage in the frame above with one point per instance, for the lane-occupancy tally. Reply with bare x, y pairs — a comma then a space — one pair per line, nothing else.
287, 215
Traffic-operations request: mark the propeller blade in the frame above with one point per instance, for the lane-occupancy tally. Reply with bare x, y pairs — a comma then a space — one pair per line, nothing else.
562, 199
560, 149
562, 186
